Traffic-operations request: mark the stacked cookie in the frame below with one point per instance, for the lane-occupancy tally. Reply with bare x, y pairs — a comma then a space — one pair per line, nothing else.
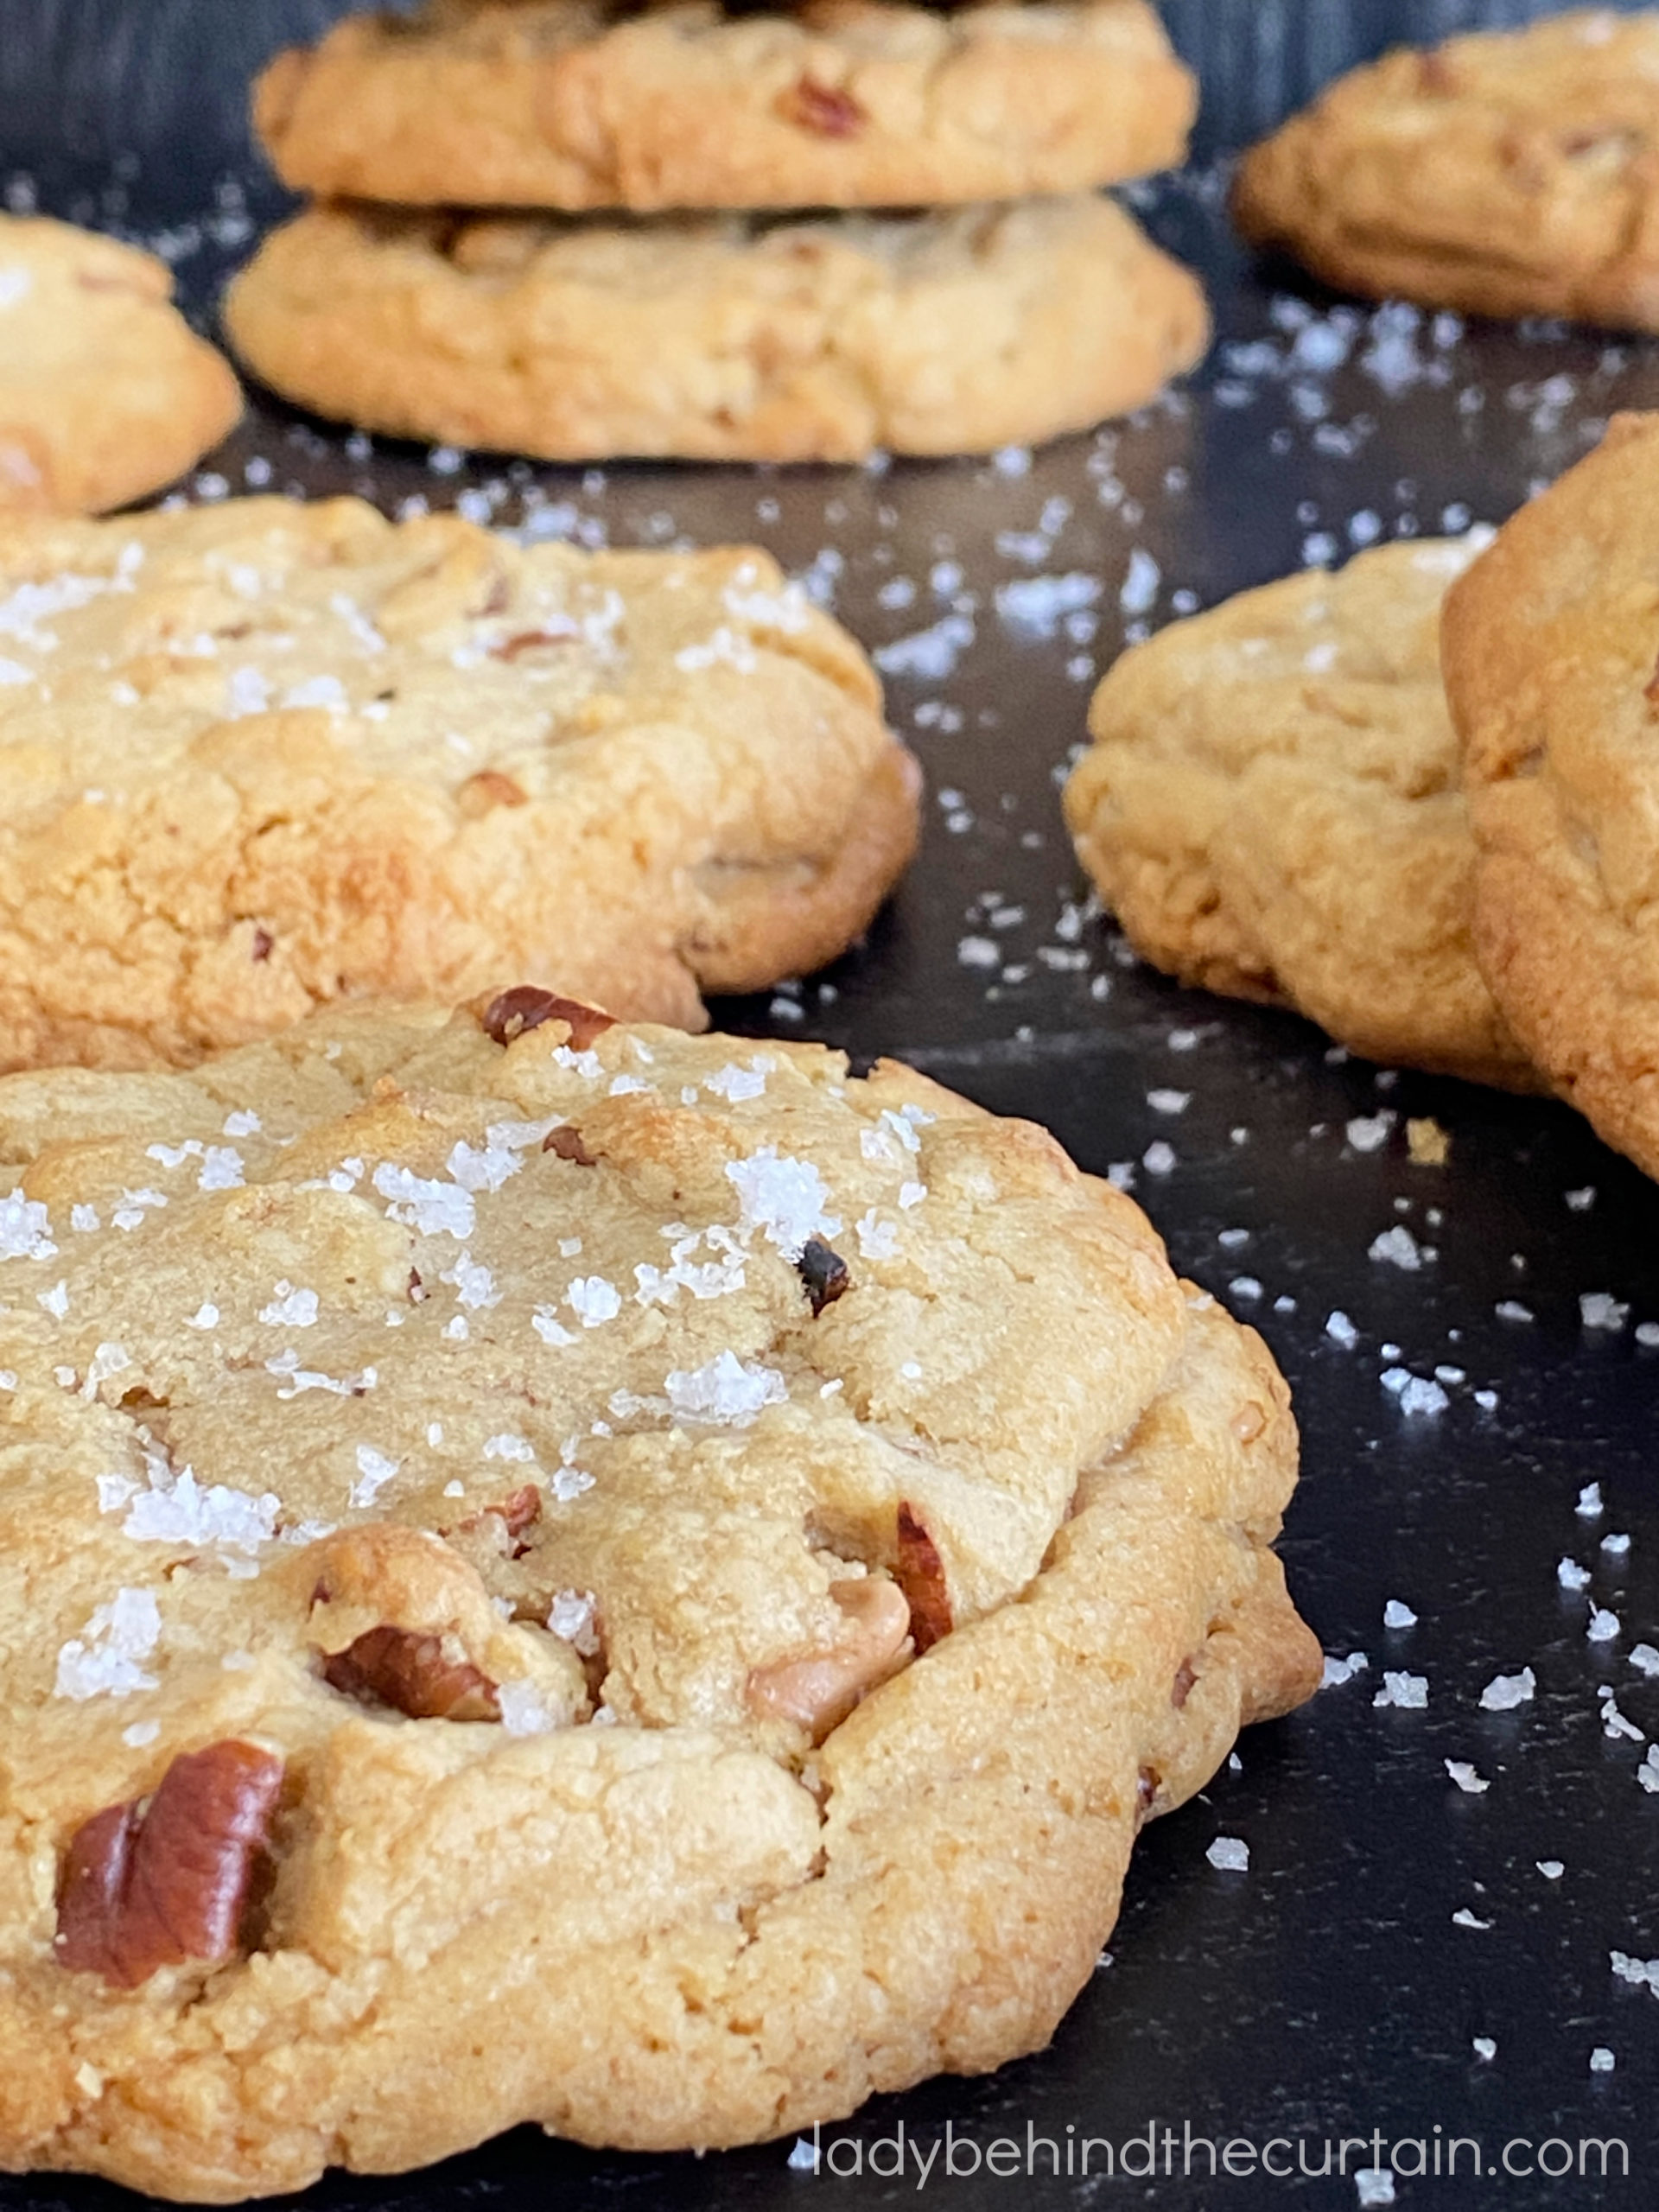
633, 273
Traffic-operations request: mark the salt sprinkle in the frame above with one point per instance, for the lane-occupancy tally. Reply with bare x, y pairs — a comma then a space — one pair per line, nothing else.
1589, 1504
1408, 1692
1572, 1576
1504, 1692
1341, 1330
1464, 1918
1229, 1854
1396, 1615
1484, 2049
1551, 1869
1375, 2186
1465, 1776
1604, 1626
1602, 2060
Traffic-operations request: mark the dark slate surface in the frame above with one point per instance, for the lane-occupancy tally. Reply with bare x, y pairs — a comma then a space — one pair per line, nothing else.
1328, 1991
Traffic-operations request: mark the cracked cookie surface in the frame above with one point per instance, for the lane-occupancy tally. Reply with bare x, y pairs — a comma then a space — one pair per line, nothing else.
438, 1482
720, 339
1549, 648
258, 756
1273, 808
584, 104
106, 394
1505, 173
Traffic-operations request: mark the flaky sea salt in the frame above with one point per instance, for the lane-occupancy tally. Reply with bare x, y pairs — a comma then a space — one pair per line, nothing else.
1408, 1692
1466, 1777
724, 1389
1504, 1692
1229, 1854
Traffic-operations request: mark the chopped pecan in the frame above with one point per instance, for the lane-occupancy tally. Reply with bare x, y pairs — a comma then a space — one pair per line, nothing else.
566, 1142
147, 1887
827, 110
527, 1007
516, 1513
819, 1691
824, 1273
482, 793
410, 1671
920, 1575
530, 641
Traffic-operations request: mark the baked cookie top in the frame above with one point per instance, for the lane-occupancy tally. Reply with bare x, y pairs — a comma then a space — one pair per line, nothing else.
106, 392
1272, 807
1505, 173
646, 1539
587, 104
261, 755
767, 339
1549, 646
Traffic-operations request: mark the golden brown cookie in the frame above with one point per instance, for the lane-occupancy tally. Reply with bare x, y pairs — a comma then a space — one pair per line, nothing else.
1550, 644
719, 337
672, 1571
1506, 173
106, 393
258, 756
1272, 808
588, 104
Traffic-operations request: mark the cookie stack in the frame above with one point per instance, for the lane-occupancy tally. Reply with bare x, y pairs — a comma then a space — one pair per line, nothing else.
629, 270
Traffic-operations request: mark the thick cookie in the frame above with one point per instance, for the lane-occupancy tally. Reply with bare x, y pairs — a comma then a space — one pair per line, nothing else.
106, 393
1549, 648
720, 339
261, 755
589, 103
620, 1580
1272, 808
1507, 173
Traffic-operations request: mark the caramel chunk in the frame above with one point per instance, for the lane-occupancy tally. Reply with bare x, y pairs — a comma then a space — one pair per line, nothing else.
820, 1690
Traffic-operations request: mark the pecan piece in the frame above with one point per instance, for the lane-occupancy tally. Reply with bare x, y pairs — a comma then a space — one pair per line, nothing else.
919, 1574
566, 1142
824, 1273
819, 1691
410, 1671
516, 1514
530, 641
510, 1013
482, 793
147, 1887
827, 110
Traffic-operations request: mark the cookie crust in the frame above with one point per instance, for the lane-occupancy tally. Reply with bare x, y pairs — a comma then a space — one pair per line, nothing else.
1505, 173
747, 1934
1273, 808
106, 394
1549, 644
720, 339
259, 756
584, 104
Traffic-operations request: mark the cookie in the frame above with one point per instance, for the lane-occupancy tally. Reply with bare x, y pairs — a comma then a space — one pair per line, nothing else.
1272, 808
719, 337
1549, 647
258, 756
625, 1581
106, 393
1508, 173
587, 104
